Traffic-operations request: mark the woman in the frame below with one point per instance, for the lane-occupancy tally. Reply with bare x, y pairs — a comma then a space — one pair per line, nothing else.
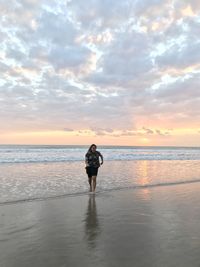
92, 165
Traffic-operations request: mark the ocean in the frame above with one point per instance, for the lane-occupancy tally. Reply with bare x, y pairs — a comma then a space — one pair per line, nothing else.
145, 211
38, 172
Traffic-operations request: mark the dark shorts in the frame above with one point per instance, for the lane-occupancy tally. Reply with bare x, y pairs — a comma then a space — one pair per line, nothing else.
91, 171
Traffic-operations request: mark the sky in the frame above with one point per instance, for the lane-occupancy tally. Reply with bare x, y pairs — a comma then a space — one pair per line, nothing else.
110, 72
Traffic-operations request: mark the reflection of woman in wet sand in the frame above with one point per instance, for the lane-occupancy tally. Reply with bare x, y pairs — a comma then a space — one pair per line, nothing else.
92, 228
92, 165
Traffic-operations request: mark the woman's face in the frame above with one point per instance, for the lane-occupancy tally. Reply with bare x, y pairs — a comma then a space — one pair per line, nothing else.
93, 148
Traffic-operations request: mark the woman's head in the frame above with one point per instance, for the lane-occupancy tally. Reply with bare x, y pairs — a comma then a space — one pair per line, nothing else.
92, 148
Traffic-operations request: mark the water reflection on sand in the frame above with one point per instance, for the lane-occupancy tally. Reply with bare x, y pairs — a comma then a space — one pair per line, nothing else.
92, 226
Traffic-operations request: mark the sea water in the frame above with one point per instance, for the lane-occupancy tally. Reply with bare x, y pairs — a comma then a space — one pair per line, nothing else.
29, 172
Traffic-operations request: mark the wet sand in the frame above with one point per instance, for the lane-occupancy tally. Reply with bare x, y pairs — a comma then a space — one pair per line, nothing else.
151, 227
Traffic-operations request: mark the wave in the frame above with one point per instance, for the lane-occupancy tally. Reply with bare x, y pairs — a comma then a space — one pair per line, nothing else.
109, 158
37, 160
29, 154
75, 194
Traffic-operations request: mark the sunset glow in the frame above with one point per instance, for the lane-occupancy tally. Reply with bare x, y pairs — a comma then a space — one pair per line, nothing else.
78, 72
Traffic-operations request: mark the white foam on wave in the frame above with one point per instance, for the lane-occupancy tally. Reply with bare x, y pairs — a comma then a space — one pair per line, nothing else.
81, 193
22, 154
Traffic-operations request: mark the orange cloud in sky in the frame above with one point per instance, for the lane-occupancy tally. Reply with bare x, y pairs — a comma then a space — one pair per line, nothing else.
187, 11
179, 137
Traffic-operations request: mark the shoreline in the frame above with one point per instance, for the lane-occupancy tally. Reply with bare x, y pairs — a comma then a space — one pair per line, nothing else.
97, 192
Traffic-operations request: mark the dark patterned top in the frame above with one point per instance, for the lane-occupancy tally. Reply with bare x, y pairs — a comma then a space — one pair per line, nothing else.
92, 158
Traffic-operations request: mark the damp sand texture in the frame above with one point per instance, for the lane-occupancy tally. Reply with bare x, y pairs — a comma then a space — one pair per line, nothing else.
156, 226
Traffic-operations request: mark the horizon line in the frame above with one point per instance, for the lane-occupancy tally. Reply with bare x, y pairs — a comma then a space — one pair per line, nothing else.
98, 145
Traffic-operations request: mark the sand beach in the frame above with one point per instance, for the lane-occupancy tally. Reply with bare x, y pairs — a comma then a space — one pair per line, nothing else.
157, 226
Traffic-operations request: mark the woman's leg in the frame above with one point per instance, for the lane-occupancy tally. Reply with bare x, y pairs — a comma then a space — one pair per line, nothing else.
90, 183
94, 183
88, 171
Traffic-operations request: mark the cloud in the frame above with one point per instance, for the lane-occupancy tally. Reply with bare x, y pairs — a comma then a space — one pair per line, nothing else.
55, 28
121, 71
99, 14
70, 57
178, 57
143, 132
178, 91
68, 130
148, 131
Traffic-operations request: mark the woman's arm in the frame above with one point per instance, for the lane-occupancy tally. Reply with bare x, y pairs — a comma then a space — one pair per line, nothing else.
86, 160
101, 156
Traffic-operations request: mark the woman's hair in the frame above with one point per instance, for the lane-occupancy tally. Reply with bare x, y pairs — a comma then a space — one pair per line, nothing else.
90, 148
